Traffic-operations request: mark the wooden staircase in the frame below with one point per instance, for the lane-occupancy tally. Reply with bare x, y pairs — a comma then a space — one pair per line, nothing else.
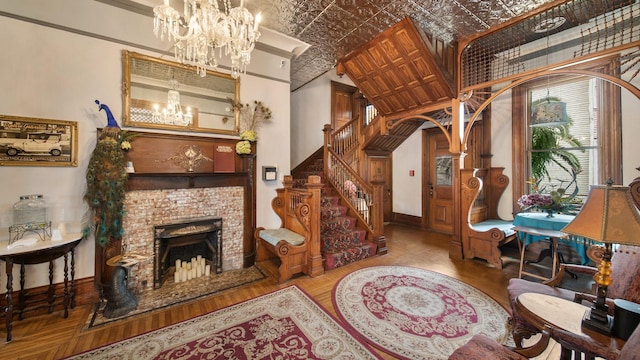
342, 239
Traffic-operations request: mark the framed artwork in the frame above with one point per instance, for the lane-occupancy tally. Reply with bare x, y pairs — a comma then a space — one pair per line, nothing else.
37, 142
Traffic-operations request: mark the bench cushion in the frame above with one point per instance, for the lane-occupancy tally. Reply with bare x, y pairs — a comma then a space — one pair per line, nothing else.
504, 225
273, 236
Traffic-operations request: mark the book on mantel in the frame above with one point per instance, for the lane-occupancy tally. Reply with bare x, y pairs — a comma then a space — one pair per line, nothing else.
224, 159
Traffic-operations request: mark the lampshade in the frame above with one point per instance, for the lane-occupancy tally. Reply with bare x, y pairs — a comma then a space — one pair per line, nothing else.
609, 215
549, 113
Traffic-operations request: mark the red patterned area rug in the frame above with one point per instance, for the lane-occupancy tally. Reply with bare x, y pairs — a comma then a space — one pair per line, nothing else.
414, 313
285, 324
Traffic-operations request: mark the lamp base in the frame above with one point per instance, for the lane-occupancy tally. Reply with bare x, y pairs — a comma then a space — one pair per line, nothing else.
598, 320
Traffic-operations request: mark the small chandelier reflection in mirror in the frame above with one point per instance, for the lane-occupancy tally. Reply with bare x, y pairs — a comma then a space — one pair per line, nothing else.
204, 28
172, 114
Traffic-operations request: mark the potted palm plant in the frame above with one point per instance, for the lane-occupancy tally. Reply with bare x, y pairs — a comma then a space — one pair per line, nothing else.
546, 143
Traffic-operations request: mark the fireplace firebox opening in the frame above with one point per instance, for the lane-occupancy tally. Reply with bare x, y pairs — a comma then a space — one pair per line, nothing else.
183, 240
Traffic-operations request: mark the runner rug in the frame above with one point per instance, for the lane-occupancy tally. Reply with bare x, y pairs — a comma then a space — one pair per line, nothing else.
285, 324
414, 313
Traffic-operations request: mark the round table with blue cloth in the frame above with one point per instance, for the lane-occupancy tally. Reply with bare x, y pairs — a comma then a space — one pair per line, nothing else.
557, 222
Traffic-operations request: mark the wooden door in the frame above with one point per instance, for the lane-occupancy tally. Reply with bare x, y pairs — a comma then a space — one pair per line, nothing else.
381, 167
342, 104
438, 201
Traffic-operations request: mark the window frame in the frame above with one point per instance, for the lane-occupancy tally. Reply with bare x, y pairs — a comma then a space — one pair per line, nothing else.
609, 132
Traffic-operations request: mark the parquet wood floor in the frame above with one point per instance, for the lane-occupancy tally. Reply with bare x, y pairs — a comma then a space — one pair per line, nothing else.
53, 337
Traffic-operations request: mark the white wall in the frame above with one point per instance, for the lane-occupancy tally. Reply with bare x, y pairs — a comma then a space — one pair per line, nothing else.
501, 136
407, 190
310, 111
55, 73
631, 127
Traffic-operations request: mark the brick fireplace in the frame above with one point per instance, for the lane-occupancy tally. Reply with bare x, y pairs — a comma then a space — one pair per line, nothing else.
162, 191
148, 208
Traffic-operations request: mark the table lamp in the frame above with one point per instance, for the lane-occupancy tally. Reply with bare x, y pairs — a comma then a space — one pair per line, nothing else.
610, 216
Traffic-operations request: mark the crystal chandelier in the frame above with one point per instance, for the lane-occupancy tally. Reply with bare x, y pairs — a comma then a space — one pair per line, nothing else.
172, 114
204, 27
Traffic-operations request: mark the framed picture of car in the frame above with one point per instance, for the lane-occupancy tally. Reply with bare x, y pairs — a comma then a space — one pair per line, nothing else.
38, 142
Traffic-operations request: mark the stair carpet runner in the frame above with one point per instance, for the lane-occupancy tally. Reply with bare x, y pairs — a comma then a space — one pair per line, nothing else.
342, 242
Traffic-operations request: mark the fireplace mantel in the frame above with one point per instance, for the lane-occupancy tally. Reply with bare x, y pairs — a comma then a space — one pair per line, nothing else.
152, 155
155, 181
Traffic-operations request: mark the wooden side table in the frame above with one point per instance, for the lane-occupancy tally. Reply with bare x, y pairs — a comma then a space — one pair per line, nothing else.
41, 252
542, 310
554, 235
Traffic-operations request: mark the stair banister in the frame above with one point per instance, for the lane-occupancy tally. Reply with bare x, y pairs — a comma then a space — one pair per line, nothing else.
346, 138
363, 198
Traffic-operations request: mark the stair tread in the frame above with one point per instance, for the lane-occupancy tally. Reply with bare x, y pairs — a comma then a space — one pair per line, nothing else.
336, 225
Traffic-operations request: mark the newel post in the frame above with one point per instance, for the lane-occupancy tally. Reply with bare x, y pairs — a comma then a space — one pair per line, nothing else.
327, 143
314, 186
377, 222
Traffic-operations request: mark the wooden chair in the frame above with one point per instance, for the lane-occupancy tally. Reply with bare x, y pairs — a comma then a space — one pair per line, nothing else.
625, 264
297, 242
482, 230
574, 346
482, 347
625, 267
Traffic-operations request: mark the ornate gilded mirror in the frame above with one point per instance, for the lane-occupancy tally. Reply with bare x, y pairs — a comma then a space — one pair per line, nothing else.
162, 94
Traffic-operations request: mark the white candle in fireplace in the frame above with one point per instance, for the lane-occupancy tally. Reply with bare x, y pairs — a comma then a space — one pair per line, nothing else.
198, 271
178, 263
199, 258
176, 276
183, 273
207, 270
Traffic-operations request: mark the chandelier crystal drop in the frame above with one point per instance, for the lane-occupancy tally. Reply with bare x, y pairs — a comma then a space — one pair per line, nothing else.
204, 33
172, 114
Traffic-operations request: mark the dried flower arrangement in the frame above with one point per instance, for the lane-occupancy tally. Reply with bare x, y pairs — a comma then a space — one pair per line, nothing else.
251, 118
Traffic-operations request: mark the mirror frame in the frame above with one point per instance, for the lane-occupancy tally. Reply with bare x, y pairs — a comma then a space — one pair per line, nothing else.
129, 56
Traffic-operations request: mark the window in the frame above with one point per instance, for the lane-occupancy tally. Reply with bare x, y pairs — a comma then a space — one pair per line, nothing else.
565, 155
593, 108
370, 113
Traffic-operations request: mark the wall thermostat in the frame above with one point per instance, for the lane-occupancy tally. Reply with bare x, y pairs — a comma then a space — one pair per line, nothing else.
269, 173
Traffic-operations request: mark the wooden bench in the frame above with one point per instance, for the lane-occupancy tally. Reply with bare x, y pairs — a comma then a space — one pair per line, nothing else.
297, 242
482, 230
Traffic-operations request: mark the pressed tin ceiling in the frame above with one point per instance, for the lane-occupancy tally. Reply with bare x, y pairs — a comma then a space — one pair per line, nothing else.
334, 28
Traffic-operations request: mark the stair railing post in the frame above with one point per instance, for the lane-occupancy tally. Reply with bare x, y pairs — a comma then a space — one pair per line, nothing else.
327, 144
314, 186
377, 210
